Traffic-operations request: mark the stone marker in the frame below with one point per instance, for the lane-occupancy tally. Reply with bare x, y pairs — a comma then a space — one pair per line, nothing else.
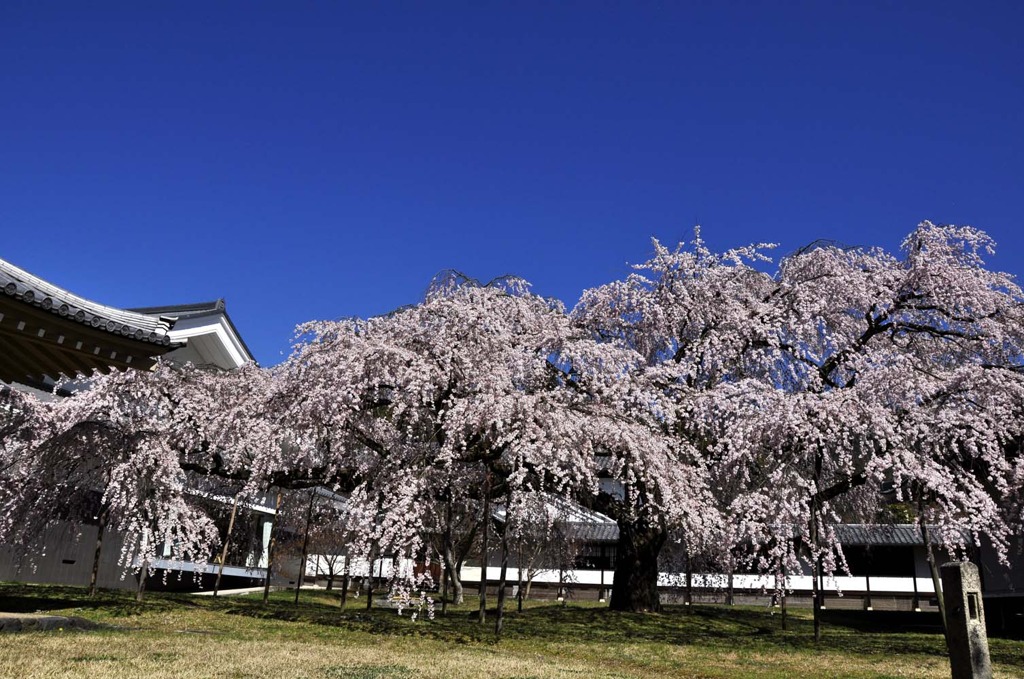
965, 621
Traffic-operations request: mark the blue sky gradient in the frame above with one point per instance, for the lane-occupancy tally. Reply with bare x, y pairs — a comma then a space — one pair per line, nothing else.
318, 160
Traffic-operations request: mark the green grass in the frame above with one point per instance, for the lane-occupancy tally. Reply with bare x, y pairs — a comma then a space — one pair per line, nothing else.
238, 637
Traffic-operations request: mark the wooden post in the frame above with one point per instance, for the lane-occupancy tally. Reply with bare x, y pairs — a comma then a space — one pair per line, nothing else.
227, 542
305, 544
270, 548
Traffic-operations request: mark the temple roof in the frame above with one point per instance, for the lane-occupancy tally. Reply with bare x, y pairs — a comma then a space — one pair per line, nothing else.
189, 314
47, 331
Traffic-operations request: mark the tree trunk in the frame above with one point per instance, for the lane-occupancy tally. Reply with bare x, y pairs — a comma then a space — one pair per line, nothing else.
816, 562
689, 583
270, 549
933, 567
782, 603
636, 566
344, 582
94, 574
519, 587
305, 545
483, 549
816, 582
458, 592
500, 621
143, 574
446, 556
369, 580
227, 542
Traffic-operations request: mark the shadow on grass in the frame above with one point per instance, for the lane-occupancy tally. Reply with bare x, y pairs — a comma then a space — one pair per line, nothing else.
732, 628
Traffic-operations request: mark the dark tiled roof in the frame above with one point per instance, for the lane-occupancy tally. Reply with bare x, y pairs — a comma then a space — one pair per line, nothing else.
46, 332
196, 310
592, 532
874, 534
32, 290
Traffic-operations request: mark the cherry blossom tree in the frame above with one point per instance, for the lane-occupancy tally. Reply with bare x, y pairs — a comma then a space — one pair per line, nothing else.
459, 398
687, 312
884, 369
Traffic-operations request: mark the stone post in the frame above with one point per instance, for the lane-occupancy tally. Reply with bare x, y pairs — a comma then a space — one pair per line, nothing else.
965, 621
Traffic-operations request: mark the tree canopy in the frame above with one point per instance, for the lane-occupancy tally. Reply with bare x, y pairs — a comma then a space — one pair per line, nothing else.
702, 399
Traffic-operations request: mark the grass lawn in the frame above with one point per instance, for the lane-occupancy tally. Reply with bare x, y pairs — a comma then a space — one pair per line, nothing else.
237, 637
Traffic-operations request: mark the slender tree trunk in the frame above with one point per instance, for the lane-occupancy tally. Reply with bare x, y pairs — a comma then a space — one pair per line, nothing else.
689, 583
369, 581
95, 573
785, 622
458, 591
500, 621
305, 545
519, 584
816, 562
270, 548
140, 593
635, 587
483, 548
446, 560
227, 543
816, 584
933, 567
344, 583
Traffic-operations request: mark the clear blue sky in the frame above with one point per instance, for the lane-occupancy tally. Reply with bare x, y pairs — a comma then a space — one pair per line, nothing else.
317, 160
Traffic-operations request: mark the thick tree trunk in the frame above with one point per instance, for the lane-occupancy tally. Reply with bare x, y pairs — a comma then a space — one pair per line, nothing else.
636, 566
451, 567
458, 593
